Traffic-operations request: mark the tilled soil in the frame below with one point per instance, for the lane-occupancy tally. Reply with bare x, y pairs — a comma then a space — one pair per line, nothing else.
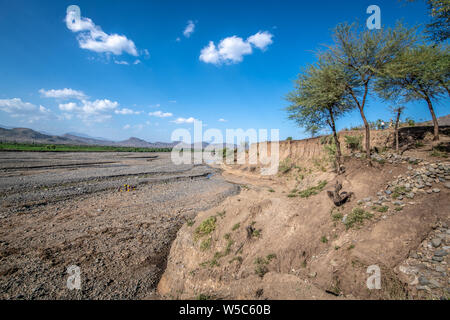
59, 210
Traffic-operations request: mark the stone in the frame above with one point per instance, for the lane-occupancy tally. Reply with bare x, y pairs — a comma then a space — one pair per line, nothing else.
440, 253
440, 269
368, 199
436, 242
423, 281
436, 190
447, 185
389, 192
438, 259
434, 284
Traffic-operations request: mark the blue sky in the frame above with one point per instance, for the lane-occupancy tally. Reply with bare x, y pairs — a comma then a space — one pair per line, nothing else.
145, 74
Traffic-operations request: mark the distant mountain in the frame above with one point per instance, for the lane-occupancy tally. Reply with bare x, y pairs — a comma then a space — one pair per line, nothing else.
89, 141
25, 135
30, 136
442, 121
82, 135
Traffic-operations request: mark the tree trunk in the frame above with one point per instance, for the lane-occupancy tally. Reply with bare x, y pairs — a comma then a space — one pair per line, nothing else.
338, 144
366, 125
397, 120
435, 122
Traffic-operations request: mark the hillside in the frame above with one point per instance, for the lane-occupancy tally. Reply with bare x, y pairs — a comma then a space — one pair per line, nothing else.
282, 237
25, 135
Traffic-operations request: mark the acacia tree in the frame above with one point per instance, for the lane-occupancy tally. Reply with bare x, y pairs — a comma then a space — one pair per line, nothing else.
319, 99
418, 73
438, 29
362, 54
397, 111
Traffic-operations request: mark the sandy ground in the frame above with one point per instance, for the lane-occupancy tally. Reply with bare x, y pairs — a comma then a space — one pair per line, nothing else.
63, 209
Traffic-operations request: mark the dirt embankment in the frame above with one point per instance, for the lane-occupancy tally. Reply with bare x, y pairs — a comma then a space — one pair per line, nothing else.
283, 238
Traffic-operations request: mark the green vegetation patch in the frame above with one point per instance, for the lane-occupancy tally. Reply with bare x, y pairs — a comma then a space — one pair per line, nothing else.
261, 264
206, 227
357, 217
354, 143
313, 190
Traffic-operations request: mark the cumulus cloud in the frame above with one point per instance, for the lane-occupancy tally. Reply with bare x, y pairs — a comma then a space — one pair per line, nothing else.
65, 93
222, 120
184, 120
91, 37
160, 114
190, 28
126, 111
261, 40
96, 111
16, 106
20, 109
233, 49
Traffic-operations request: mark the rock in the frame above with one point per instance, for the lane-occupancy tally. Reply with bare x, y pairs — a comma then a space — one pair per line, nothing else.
438, 259
368, 199
344, 219
440, 269
447, 185
434, 284
423, 288
389, 192
440, 253
312, 274
423, 281
436, 242
436, 190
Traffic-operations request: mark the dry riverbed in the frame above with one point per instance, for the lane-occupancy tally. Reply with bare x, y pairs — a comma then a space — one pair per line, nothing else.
62, 209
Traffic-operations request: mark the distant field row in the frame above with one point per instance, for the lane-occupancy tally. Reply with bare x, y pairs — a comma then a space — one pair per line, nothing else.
8, 146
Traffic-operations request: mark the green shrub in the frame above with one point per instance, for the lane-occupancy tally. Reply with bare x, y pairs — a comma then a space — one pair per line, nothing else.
206, 227
357, 217
205, 244
354, 143
285, 166
313, 190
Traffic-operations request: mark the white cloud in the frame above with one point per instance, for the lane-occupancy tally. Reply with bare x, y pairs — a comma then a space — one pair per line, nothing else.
16, 106
172, 101
137, 61
25, 110
65, 93
184, 120
126, 111
71, 106
190, 28
92, 37
233, 49
121, 62
261, 40
160, 114
178, 39
127, 126
96, 111
222, 120
209, 54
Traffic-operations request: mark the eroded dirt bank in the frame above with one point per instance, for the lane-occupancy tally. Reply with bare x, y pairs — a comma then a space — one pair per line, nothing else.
283, 238
52, 218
